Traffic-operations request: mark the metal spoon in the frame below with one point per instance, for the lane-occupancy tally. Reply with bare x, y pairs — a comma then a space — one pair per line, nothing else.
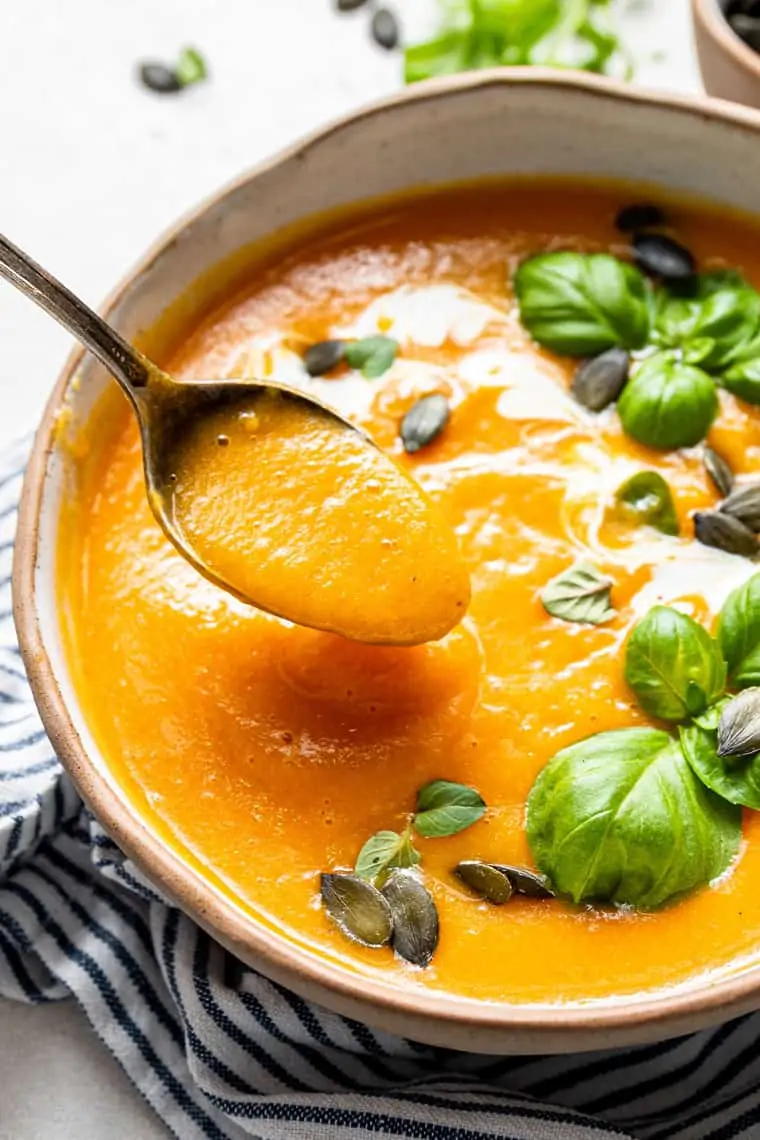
165, 407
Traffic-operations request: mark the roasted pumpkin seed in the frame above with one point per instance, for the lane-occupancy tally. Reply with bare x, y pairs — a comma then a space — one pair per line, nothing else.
323, 356
415, 918
739, 725
485, 880
599, 381
159, 78
661, 256
424, 421
385, 29
357, 908
720, 473
639, 216
349, 5
744, 504
525, 882
725, 532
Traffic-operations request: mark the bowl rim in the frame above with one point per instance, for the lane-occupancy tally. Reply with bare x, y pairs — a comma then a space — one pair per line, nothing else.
710, 14
425, 1013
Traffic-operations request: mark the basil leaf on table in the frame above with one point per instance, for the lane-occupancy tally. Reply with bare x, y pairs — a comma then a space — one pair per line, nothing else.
580, 594
668, 404
736, 779
673, 665
647, 498
384, 851
621, 817
372, 356
580, 304
445, 808
738, 633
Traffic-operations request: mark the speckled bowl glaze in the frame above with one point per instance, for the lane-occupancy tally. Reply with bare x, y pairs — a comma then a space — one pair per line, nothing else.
729, 68
501, 122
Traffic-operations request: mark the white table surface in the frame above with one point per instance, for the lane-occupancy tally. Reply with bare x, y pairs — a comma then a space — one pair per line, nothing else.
92, 168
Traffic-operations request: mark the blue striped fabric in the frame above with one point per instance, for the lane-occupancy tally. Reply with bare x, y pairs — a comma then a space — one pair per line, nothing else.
221, 1053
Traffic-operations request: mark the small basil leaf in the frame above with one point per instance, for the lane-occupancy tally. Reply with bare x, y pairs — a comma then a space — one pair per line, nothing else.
621, 817
372, 356
357, 908
646, 498
743, 379
739, 725
736, 780
582, 304
580, 594
191, 67
444, 808
668, 404
383, 851
738, 633
445, 55
673, 665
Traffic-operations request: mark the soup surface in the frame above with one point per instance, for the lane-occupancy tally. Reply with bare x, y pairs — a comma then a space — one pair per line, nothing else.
268, 753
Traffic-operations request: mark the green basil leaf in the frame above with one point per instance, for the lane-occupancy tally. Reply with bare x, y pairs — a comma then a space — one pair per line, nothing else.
580, 304
668, 404
621, 817
736, 779
191, 67
646, 498
580, 594
444, 808
372, 356
383, 851
742, 379
738, 633
673, 665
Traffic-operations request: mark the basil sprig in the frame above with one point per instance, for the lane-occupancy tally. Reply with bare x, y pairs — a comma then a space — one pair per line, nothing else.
696, 334
581, 304
621, 817
443, 808
673, 665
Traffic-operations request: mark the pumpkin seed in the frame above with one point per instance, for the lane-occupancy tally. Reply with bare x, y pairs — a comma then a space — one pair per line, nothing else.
725, 532
744, 504
349, 5
488, 882
357, 908
739, 725
525, 882
323, 356
424, 421
385, 30
415, 918
599, 381
661, 256
718, 470
639, 216
159, 78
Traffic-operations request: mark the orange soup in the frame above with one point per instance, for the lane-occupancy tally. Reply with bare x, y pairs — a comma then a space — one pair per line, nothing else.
268, 753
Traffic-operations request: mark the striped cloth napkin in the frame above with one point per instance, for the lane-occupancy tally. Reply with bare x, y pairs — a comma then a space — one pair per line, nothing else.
221, 1053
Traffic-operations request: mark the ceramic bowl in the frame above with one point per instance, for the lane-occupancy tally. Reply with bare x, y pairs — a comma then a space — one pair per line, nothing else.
729, 68
502, 122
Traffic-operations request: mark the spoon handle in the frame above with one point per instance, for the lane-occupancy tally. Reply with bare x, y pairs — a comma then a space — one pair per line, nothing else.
125, 363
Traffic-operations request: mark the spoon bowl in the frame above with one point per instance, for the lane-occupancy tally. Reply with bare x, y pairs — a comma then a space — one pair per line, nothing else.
256, 549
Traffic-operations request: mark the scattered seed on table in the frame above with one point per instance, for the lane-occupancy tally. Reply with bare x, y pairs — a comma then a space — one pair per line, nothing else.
385, 30
159, 78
